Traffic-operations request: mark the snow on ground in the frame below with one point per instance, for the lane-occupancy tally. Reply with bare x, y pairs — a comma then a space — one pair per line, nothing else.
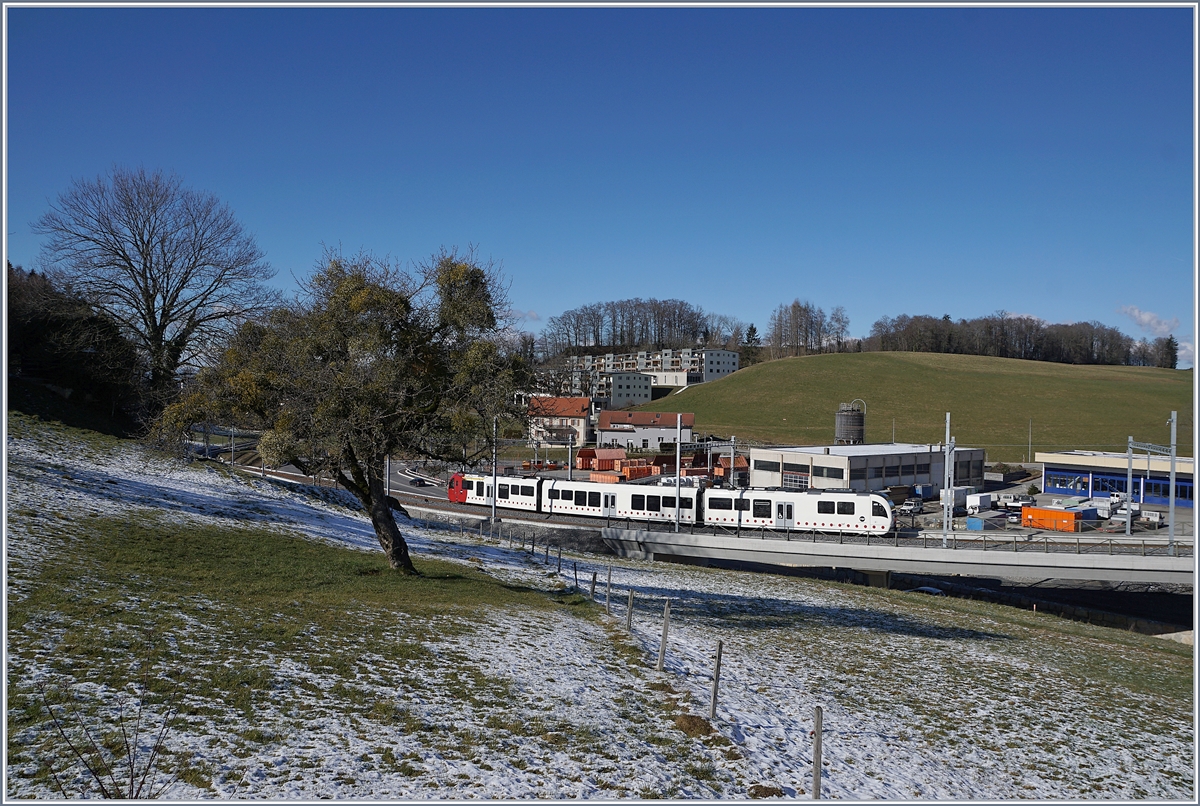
917, 703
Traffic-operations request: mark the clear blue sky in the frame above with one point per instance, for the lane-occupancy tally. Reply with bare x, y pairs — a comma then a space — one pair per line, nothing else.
939, 161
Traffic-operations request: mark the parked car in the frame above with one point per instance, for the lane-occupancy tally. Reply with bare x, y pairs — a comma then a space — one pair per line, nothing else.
417, 481
913, 506
1014, 517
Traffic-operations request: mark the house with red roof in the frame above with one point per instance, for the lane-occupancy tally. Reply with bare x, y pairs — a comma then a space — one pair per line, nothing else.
639, 430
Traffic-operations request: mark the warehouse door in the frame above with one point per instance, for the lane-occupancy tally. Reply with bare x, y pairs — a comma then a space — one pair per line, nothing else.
783, 515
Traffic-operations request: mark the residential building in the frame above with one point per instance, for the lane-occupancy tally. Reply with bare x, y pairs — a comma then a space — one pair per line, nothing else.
668, 368
560, 419
640, 430
621, 389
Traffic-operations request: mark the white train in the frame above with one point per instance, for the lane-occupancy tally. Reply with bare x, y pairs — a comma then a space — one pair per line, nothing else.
838, 511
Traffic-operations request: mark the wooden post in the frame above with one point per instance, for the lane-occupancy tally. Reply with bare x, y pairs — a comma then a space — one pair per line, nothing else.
629, 613
546, 559
662, 647
816, 790
712, 708
560, 559
608, 593
576, 567
532, 543
593, 592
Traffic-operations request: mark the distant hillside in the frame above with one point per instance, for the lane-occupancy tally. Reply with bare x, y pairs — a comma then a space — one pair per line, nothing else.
991, 401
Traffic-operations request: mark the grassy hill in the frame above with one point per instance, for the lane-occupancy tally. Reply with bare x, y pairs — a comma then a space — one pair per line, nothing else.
991, 402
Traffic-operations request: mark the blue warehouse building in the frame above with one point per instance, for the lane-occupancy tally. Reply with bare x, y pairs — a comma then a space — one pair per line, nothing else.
1094, 474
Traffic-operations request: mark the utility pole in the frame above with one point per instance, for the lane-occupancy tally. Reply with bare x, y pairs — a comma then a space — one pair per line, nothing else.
948, 484
679, 464
495, 419
570, 461
1171, 500
1129, 488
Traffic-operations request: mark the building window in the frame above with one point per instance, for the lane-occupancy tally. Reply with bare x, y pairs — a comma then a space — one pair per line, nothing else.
874, 472
892, 472
770, 467
791, 468
908, 470
858, 474
795, 481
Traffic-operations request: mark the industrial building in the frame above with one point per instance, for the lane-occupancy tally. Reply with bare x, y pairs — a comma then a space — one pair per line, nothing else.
863, 467
1091, 474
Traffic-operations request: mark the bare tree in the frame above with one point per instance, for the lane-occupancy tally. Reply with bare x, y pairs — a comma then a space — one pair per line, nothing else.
171, 265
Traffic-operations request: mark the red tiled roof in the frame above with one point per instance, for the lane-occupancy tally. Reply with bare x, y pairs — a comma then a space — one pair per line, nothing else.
661, 419
559, 406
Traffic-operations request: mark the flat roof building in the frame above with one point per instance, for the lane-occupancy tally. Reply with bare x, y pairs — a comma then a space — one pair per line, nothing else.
1091, 474
863, 467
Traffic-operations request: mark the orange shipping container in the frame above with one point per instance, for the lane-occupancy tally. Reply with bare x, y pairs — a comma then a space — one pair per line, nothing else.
605, 478
1055, 520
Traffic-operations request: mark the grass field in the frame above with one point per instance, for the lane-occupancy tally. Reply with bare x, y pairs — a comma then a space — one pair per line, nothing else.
302, 668
991, 401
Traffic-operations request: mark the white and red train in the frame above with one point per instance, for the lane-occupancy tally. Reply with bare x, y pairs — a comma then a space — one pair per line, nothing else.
838, 511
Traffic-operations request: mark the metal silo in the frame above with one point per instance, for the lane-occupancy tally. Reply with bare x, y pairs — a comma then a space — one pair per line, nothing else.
851, 427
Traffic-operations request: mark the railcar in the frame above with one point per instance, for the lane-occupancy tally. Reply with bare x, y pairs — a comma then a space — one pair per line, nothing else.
839, 511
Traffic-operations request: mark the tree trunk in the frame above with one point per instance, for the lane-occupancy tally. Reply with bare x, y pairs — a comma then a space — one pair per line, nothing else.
369, 490
388, 533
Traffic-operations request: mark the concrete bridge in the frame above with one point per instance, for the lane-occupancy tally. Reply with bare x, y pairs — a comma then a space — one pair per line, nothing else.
1016, 557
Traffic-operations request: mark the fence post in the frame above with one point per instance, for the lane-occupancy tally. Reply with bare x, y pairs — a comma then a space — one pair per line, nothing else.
546, 559
560, 559
629, 613
593, 591
816, 790
712, 708
608, 593
662, 647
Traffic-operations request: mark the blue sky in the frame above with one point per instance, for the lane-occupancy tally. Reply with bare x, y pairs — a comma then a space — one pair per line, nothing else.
937, 161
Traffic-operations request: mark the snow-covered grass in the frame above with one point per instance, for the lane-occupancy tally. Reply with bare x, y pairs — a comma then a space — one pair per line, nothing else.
306, 669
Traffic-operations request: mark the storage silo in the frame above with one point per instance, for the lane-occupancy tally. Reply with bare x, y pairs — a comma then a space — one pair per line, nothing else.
851, 425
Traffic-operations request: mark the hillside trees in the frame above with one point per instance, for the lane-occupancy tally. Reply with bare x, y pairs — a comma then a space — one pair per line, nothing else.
170, 265
58, 338
371, 360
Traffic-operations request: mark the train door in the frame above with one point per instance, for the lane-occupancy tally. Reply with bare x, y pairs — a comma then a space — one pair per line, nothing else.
608, 508
784, 515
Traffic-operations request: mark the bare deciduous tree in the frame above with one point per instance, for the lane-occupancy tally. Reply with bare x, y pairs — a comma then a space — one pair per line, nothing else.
170, 264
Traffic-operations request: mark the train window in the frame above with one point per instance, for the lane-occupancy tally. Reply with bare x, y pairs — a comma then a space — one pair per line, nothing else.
824, 507
594, 500
685, 503
741, 504
553, 494
720, 503
527, 491
479, 488
653, 503
845, 507
581, 498
637, 502
668, 502
877, 509
503, 490
762, 509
